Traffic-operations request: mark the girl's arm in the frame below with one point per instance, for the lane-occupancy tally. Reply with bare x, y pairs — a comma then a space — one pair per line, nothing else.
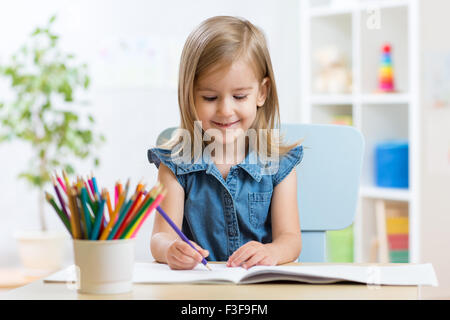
166, 247
286, 237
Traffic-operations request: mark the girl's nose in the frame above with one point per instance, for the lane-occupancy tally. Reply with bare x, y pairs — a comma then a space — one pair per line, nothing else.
225, 108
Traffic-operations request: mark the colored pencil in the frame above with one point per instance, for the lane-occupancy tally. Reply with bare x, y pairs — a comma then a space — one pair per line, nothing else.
142, 219
119, 188
84, 212
110, 225
98, 219
94, 184
87, 215
66, 179
119, 221
60, 199
108, 203
179, 232
116, 193
79, 218
62, 215
61, 183
150, 197
75, 221
83, 222
91, 186
129, 215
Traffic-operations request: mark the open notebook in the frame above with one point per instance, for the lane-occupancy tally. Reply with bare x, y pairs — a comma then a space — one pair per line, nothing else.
402, 275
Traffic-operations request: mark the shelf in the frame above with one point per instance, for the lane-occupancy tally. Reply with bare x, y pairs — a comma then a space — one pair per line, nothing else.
385, 98
385, 193
332, 99
383, 4
326, 11
394, 31
372, 98
349, 28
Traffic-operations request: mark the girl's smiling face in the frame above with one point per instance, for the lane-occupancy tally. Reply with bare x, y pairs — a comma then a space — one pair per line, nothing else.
226, 99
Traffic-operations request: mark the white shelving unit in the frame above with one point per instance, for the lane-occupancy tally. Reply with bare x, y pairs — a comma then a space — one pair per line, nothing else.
379, 116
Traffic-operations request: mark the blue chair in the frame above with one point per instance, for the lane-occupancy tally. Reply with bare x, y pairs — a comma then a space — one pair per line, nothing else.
328, 181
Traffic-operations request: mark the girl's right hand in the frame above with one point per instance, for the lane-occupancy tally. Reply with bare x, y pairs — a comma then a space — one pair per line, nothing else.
181, 256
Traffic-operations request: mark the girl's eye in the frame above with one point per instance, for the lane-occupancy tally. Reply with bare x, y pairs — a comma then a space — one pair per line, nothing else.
214, 98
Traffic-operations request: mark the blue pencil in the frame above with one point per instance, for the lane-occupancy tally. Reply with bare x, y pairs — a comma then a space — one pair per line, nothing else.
119, 221
98, 220
94, 183
87, 215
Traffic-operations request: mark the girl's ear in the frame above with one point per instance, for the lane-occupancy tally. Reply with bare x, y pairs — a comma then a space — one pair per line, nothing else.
262, 93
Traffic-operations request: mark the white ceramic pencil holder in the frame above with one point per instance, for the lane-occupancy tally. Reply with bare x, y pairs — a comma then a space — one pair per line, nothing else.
104, 266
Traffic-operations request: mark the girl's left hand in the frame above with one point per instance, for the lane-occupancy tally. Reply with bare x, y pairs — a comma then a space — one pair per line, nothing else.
250, 254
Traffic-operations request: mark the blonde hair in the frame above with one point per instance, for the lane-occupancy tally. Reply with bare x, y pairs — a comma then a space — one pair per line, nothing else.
216, 43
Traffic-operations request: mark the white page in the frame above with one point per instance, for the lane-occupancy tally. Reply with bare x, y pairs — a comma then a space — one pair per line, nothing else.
408, 274
161, 273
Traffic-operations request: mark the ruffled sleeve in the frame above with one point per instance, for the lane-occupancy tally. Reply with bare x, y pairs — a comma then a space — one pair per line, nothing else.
289, 161
158, 155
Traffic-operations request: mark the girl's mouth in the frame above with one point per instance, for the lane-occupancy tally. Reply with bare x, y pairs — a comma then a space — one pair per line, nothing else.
225, 125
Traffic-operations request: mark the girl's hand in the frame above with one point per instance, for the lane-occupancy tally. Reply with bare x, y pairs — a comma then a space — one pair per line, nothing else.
180, 255
250, 254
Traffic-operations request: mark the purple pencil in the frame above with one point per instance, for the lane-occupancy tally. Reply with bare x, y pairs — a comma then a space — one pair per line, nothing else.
179, 232
58, 194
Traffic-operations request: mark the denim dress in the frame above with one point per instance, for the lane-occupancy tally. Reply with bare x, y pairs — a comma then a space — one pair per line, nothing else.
222, 215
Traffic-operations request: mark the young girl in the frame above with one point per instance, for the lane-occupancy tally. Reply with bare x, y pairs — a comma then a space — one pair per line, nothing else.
232, 210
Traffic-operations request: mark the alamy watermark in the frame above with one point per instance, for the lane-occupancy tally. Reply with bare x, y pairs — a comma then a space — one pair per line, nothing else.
373, 21
257, 142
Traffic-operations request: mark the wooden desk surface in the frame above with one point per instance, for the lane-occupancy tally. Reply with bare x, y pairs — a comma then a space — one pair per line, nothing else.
262, 291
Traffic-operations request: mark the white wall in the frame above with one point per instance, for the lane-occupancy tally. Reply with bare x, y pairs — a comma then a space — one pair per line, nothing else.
435, 159
132, 110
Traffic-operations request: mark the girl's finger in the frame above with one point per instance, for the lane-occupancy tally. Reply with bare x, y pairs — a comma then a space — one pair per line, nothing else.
267, 261
178, 263
202, 251
236, 254
253, 260
188, 251
245, 254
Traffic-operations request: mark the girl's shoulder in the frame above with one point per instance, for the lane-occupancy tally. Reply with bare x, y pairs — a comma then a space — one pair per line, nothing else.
158, 155
161, 155
286, 163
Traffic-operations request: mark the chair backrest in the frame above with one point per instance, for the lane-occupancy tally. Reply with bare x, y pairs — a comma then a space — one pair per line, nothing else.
328, 181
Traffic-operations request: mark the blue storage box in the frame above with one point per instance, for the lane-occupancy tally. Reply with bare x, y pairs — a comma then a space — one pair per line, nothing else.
391, 164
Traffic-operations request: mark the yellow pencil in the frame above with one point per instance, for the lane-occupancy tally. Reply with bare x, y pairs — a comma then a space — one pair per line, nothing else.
74, 218
66, 180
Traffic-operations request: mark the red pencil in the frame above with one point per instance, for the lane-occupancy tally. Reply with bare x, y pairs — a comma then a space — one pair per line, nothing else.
61, 183
155, 203
61, 200
128, 216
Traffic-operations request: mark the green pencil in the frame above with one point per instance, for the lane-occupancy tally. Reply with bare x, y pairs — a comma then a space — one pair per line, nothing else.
61, 214
136, 217
86, 212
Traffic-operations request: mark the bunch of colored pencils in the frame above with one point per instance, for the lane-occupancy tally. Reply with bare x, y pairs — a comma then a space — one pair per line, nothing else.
83, 213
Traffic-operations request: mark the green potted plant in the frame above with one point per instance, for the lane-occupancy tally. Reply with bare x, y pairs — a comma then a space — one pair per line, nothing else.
43, 115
